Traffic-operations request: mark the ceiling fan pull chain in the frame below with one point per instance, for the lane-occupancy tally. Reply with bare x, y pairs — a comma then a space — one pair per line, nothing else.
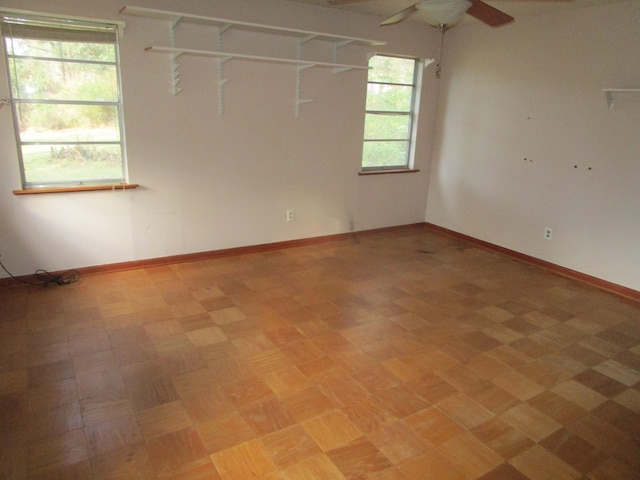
442, 27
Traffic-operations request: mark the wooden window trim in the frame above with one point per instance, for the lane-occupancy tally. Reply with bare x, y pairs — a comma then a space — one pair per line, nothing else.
386, 172
78, 188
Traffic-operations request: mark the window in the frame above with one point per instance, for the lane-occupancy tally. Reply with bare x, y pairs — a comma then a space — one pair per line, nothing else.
392, 95
65, 94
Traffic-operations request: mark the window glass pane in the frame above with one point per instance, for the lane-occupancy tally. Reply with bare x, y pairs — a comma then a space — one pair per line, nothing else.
46, 122
65, 92
100, 52
391, 69
40, 79
71, 163
386, 126
389, 98
385, 154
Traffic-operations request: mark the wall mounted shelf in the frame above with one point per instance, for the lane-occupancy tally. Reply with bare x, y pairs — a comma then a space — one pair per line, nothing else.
257, 58
255, 27
223, 25
611, 93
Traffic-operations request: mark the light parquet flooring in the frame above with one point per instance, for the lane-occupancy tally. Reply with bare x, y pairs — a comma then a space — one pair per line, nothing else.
404, 355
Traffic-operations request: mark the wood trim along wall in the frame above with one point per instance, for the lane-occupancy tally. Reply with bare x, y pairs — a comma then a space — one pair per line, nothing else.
340, 237
552, 267
227, 252
78, 188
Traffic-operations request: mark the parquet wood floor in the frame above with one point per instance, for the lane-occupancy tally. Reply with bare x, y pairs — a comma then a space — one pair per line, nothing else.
402, 355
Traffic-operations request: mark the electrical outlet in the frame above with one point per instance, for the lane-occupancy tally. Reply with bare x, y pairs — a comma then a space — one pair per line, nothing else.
548, 233
291, 215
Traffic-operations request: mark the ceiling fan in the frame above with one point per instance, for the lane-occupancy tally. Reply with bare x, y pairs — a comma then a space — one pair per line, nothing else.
443, 14
446, 12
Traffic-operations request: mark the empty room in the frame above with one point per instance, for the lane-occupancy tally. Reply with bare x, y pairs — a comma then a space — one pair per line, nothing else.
320, 239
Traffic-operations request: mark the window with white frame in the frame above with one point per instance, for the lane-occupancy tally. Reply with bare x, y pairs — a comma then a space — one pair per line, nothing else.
65, 94
392, 97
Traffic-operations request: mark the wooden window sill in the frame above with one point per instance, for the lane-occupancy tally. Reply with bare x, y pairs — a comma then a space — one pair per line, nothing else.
385, 172
79, 188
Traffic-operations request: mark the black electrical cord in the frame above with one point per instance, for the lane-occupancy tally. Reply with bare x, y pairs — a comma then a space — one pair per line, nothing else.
44, 278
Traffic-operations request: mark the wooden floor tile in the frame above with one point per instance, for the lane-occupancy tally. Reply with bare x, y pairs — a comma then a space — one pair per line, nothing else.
267, 416
322, 362
580, 394
307, 403
103, 437
533, 423
248, 391
630, 398
518, 385
574, 450
469, 455
402, 401
433, 426
368, 413
57, 451
225, 432
359, 459
619, 372
202, 469
398, 442
172, 450
331, 430
430, 465
129, 462
247, 460
537, 463
464, 410
312, 468
504, 471
502, 438
287, 381
289, 446
51, 421
162, 419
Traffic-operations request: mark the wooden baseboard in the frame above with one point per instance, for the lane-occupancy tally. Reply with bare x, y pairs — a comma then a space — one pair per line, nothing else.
340, 237
227, 252
552, 267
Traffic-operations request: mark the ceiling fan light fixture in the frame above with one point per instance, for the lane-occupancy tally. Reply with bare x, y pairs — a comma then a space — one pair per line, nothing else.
443, 12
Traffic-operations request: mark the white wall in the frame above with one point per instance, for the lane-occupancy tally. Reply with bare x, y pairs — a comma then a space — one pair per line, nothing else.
208, 181
532, 90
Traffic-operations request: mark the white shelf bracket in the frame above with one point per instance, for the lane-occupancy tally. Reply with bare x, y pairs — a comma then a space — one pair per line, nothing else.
221, 84
299, 100
221, 81
175, 66
337, 46
610, 94
299, 69
341, 44
306, 39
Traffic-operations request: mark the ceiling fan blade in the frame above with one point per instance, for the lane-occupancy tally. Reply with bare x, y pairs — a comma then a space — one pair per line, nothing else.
345, 2
400, 16
488, 14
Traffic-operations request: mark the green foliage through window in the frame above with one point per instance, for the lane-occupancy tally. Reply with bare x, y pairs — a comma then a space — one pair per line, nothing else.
391, 90
65, 95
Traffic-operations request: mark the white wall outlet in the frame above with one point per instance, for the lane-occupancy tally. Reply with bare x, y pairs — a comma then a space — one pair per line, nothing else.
291, 215
548, 233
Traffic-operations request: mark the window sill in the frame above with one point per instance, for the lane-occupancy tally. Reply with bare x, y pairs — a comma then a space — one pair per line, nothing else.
80, 188
385, 172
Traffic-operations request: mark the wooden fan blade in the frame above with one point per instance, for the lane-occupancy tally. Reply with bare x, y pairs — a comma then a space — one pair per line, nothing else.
400, 16
345, 2
488, 14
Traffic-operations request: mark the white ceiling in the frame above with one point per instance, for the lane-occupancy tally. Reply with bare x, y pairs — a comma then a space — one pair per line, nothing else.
515, 8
